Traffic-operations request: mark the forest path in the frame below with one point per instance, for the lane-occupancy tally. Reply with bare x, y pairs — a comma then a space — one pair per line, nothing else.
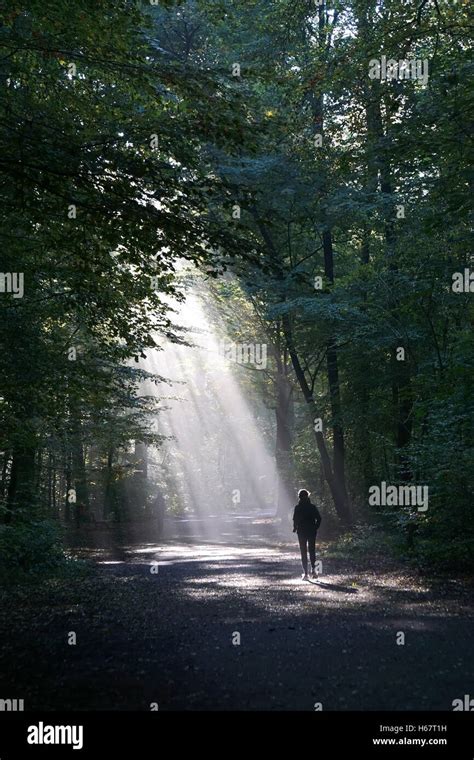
166, 636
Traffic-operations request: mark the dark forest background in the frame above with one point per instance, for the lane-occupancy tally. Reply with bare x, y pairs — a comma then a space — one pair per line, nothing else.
329, 211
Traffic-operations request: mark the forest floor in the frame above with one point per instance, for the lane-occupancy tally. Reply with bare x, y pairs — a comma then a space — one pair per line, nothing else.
170, 636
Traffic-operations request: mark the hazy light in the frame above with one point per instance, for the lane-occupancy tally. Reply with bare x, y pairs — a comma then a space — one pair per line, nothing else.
216, 460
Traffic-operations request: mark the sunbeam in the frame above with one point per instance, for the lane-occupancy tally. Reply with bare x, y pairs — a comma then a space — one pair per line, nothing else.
218, 459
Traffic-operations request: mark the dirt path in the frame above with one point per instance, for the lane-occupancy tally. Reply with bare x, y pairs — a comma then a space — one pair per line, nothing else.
166, 637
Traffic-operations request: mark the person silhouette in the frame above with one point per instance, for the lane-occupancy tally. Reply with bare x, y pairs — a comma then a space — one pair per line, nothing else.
306, 521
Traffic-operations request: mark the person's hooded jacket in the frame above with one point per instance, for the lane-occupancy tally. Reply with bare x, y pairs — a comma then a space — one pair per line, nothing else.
306, 517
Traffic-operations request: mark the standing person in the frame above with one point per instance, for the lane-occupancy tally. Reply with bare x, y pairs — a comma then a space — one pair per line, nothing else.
306, 521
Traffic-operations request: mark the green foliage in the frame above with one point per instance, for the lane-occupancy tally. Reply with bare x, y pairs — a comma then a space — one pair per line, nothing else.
30, 549
384, 144
451, 555
85, 92
369, 539
105, 185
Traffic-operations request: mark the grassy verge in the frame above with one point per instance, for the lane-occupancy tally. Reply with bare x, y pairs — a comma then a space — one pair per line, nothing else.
31, 551
411, 543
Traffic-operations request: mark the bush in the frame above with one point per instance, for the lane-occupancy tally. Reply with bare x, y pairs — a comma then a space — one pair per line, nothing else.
368, 539
30, 547
429, 546
448, 556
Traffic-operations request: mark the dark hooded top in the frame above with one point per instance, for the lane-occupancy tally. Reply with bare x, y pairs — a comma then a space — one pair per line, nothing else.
306, 517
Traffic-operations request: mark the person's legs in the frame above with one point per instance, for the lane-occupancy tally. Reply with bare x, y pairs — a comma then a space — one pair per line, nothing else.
304, 554
312, 550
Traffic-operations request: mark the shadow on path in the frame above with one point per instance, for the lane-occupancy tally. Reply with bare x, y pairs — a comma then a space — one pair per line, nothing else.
335, 587
159, 623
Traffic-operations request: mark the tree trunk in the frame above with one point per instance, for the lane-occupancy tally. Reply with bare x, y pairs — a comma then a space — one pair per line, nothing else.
403, 404
378, 165
108, 506
338, 489
284, 437
338, 493
50, 483
317, 107
362, 432
21, 488
53, 488
80, 477
5, 461
333, 379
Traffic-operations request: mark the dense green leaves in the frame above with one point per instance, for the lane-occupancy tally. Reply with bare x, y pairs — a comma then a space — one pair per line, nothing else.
127, 138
